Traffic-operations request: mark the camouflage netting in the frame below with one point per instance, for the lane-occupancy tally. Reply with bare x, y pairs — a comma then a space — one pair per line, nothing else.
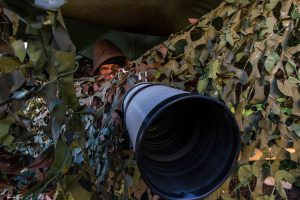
244, 52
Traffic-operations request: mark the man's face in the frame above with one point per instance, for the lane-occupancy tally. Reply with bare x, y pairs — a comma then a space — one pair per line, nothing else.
108, 71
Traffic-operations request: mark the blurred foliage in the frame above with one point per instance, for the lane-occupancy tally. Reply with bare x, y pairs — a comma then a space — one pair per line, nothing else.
63, 137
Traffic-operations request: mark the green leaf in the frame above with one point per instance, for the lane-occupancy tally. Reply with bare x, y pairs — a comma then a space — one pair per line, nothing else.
272, 4
244, 173
64, 69
256, 168
246, 113
228, 197
221, 44
239, 56
290, 67
286, 110
265, 197
67, 93
283, 175
270, 23
293, 80
244, 2
259, 107
39, 187
72, 186
64, 61
19, 49
230, 1
295, 14
62, 160
58, 118
9, 64
296, 128
5, 125
271, 61
213, 69
37, 56
280, 99
262, 33
7, 140
157, 75
202, 85
229, 38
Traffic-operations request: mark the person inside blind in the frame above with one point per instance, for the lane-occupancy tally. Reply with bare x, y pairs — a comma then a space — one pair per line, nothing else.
107, 59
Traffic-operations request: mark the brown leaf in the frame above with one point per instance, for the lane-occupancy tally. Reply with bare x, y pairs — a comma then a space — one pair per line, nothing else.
259, 95
246, 151
296, 100
242, 76
285, 88
235, 21
273, 42
239, 115
254, 58
171, 66
285, 8
228, 93
293, 50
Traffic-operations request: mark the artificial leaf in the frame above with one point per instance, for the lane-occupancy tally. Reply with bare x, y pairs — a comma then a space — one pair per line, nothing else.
271, 62
254, 59
39, 187
266, 197
18, 80
9, 64
72, 186
272, 4
259, 95
19, 48
296, 100
58, 116
229, 38
286, 185
283, 175
202, 85
171, 66
285, 8
230, 1
295, 13
256, 168
293, 80
214, 69
6, 140
296, 128
37, 56
5, 124
62, 160
67, 92
43, 160
290, 67
239, 56
285, 88
244, 173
